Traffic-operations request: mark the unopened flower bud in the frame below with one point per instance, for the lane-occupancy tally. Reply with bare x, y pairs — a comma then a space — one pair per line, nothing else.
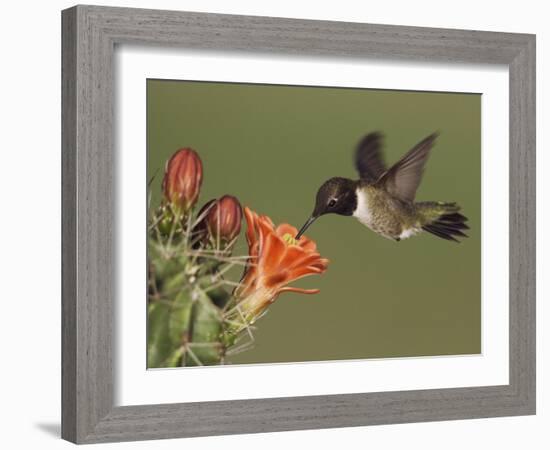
182, 180
221, 220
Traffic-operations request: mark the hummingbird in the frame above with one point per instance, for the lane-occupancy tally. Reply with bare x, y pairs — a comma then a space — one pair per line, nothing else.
384, 199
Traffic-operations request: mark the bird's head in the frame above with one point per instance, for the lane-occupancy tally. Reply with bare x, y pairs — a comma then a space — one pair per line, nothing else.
335, 196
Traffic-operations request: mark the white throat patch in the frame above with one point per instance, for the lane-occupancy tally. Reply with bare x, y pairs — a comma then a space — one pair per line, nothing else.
362, 212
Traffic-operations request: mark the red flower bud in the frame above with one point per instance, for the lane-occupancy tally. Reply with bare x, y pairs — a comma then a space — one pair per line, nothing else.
182, 179
222, 219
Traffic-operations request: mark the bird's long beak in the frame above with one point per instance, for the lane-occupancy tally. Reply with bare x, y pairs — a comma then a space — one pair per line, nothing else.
306, 226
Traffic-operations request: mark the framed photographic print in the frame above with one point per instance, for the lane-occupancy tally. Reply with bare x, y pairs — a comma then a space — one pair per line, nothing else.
278, 224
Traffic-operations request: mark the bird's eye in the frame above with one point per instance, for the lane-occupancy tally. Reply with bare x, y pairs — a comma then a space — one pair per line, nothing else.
332, 202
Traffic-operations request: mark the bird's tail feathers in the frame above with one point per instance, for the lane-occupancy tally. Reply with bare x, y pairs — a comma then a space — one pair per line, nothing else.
443, 220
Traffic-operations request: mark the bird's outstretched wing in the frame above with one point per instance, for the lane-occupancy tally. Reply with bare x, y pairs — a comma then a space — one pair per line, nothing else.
368, 157
403, 178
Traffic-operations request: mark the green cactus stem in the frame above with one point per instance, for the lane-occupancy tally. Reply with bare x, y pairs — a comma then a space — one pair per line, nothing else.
187, 295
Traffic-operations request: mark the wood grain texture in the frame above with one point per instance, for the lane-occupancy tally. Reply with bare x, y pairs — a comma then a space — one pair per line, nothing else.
68, 225
90, 34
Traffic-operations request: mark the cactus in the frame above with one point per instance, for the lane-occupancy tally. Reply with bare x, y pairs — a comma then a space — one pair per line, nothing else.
196, 314
187, 293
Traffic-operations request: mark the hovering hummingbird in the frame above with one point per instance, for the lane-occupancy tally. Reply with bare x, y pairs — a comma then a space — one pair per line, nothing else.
383, 199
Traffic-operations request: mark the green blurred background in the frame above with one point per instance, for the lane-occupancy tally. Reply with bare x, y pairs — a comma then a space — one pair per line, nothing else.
272, 146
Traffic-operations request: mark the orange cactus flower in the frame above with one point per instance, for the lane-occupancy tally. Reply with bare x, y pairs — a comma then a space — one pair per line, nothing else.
276, 259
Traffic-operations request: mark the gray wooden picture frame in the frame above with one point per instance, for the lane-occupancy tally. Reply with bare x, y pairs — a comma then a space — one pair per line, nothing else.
90, 34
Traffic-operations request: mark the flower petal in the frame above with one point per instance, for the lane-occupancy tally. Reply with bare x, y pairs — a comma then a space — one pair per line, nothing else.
299, 290
276, 280
264, 230
250, 217
302, 272
268, 220
293, 255
272, 254
305, 260
322, 263
285, 228
307, 244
